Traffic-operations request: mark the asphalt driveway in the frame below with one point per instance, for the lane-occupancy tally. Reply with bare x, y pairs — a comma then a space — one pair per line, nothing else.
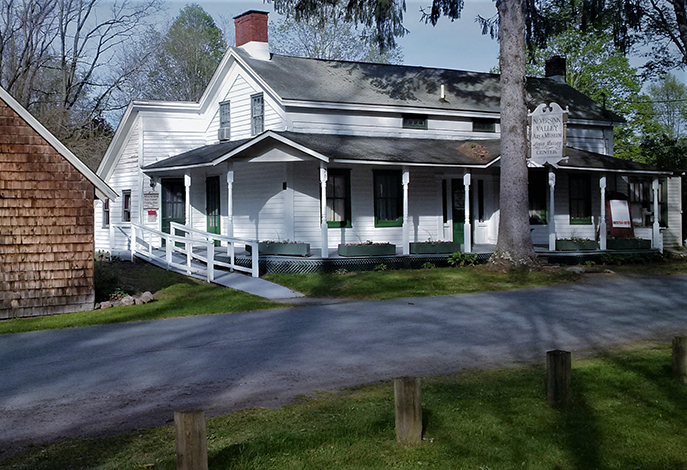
104, 379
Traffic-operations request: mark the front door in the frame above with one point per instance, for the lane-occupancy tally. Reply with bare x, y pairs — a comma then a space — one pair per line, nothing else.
212, 202
458, 210
173, 202
485, 196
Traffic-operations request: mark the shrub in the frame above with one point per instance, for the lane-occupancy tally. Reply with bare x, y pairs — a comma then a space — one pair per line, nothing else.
380, 267
462, 259
428, 265
106, 279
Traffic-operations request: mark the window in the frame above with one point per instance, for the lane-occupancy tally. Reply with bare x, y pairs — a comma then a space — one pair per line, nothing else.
537, 184
414, 121
126, 205
106, 213
484, 125
339, 198
642, 203
388, 194
257, 112
580, 199
224, 132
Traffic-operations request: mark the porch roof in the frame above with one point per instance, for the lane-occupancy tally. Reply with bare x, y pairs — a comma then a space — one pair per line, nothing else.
384, 151
589, 161
344, 148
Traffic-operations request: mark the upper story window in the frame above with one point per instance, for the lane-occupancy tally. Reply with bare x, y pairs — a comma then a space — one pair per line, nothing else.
484, 125
106, 213
414, 121
257, 113
126, 205
224, 132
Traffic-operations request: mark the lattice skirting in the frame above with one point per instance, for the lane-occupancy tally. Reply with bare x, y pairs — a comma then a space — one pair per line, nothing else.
283, 265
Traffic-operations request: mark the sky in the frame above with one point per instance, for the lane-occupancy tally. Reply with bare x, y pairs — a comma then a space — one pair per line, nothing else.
456, 45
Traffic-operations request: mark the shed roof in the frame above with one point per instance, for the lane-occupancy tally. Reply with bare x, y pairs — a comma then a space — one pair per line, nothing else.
296, 78
385, 151
102, 189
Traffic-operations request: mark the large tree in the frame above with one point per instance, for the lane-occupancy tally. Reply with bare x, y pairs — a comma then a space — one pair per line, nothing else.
514, 246
64, 60
187, 56
330, 38
669, 106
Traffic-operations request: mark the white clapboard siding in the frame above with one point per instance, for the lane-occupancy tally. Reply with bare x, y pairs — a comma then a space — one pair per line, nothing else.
378, 125
672, 236
259, 201
306, 203
424, 206
125, 177
239, 96
591, 139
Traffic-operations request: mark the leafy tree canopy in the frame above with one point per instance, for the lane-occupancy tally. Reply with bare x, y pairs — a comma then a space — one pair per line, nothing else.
334, 39
187, 56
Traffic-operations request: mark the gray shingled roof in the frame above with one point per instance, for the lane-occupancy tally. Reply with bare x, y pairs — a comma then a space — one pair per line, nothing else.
295, 78
441, 152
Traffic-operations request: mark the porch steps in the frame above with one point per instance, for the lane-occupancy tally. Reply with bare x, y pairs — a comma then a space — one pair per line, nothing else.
234, 280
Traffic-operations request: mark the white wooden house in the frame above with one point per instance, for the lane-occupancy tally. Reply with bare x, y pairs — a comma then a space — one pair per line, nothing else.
330, 152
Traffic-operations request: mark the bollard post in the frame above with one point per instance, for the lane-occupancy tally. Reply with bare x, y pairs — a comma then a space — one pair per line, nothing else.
558, 373
191, 441
680, 359
408, 405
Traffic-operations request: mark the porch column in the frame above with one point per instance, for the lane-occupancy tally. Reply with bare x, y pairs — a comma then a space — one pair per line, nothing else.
655, 239
406, 220
323, 210
602, 222
467, 230
551, 219
187, 184
230, 199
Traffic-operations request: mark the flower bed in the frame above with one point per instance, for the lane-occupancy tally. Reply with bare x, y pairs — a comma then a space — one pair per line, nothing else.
628, 244
367, 249
427, 248
282, 248
576, 245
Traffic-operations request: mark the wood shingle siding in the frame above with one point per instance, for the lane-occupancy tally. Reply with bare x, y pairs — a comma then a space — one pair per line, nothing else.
46, 225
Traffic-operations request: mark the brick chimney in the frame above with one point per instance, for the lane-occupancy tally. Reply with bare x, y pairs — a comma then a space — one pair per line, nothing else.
251, 34
555, 69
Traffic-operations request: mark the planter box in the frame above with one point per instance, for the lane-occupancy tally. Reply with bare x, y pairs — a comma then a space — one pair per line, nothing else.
367, 250
428, 248
627, 244
576, 245
283, 249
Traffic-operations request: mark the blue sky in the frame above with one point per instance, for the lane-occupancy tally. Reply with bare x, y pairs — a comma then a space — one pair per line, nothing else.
457, 45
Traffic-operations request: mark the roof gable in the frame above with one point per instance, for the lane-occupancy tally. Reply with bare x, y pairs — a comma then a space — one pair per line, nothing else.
102, 190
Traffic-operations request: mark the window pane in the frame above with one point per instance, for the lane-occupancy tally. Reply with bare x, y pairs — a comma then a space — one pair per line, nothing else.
388, 196
257, 114
224, 115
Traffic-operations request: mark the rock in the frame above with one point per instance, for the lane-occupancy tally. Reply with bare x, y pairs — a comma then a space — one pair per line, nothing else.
147, 297
575, 269
96, 306
104, 305
138, 301
127, 301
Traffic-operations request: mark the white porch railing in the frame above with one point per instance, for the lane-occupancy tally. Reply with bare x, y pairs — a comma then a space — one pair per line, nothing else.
193, 245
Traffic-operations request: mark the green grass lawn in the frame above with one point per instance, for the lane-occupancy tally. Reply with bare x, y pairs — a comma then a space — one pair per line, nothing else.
627, 413
380, 285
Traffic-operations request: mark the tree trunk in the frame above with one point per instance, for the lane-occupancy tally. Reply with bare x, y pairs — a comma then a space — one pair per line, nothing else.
514, 247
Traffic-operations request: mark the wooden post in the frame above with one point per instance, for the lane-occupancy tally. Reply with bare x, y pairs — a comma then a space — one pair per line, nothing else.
680, 359
191, 442
408, 401
558, 366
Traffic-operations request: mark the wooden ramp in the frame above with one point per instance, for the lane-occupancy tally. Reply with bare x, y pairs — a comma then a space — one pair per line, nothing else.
205, 256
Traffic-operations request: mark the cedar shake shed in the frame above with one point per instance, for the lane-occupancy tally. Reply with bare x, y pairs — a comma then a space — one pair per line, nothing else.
46, 219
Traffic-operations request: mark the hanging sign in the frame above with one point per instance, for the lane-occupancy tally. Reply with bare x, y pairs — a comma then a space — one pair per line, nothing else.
151, 201
548, 133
